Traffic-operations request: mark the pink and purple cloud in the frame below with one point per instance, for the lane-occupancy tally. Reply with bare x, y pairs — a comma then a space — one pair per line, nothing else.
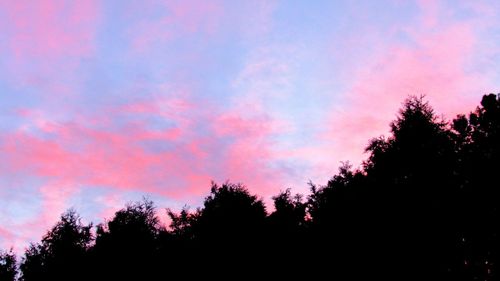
106, 101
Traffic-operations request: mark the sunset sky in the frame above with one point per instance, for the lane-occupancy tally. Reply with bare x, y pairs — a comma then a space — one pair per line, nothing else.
104, 102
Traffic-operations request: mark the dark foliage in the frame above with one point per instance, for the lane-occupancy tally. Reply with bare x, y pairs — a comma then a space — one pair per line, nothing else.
8, 266
125, 246
62, 253
423, 206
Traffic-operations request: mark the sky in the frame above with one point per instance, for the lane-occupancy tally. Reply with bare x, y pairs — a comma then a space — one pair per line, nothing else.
104, 102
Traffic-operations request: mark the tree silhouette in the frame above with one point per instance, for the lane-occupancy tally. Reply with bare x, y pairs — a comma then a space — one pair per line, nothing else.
125, 246
230, 215
478, 148
415, 198
286, 233
61, 255
289, 216
8, 266
336, 212
181, 224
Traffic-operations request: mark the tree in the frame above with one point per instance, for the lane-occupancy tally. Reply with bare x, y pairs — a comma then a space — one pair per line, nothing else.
125, 246
336, 213
286, 234
8, 266
181, 224
331, 203
477, 140
230, 228
230, 214
289, 215
61, 255
415, 191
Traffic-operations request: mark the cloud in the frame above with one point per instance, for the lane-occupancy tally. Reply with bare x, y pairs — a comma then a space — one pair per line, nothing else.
48, 29
44, 43
106, 103
172, 19
80, 131
117, 148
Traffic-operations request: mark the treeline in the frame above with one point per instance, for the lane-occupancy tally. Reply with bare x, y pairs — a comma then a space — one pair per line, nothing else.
423, 206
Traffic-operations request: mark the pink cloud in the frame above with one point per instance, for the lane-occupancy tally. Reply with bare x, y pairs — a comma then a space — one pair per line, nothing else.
178, 19
193, 15
19, 231
6, 237
93, 151
110, 203
50, 28
252, 150
45, 42
55, 195
78, 154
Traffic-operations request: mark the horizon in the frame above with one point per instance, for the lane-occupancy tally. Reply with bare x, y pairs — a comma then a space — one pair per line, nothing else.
106, 102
